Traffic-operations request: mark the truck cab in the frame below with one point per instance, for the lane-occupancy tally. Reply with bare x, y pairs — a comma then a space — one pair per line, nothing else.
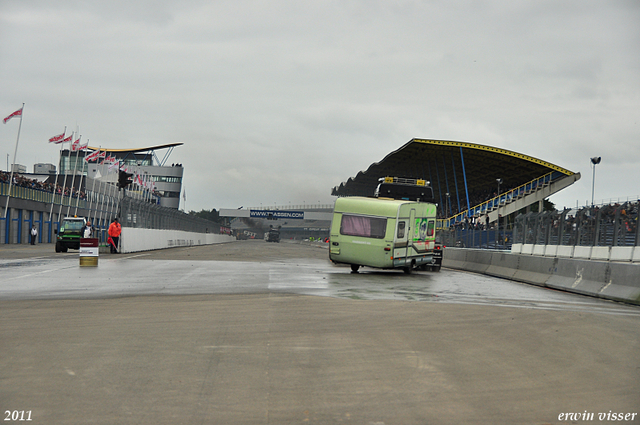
273, 235
70, 233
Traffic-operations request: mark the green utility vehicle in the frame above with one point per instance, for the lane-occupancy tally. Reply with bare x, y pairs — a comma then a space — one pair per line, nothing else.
70, 233
395, 230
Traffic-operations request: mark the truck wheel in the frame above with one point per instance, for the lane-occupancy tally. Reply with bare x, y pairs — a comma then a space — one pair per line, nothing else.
58, 249
354, 268
407, 270
435, 268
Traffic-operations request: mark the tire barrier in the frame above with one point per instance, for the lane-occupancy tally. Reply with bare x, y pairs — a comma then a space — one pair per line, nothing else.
612, 280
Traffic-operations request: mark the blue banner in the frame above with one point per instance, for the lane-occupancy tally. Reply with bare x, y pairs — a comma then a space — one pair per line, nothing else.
298, 215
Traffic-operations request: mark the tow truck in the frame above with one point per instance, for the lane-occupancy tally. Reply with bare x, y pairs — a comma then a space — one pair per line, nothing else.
273, 235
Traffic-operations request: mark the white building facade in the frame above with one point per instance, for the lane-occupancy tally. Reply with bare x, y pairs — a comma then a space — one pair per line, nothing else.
161, 184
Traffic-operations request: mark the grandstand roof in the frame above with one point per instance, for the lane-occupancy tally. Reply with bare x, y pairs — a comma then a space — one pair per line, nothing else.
137, 150
441, 162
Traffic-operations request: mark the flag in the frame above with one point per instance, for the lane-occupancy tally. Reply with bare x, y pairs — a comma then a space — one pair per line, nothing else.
92, 157
68, 139
108, 160
95, 156
57, 139
76, 146
17, 113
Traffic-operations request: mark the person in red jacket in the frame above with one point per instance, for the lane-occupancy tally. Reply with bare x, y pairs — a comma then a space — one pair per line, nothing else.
114, 234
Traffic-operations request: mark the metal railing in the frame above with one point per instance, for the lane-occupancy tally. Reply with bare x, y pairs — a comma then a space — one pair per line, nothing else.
505, 198
40, 195
477, 236
303, 207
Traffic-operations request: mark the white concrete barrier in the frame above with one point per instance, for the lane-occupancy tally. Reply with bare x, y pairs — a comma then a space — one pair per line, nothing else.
636, 255
621, 253
527, 249
602, 253
134, 239
551, 251
565, 251
614, 280
538, 249
582, 252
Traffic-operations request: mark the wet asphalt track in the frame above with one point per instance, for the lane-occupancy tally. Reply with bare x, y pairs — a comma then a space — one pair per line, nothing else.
257, 333
251, 267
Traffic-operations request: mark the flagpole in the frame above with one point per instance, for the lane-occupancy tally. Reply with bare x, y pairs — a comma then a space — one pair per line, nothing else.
15, 152
112, 198
108, 195
73, 179
55, 184
99, 199
99, 207
64, 183
81, 176
93, 193
113, 186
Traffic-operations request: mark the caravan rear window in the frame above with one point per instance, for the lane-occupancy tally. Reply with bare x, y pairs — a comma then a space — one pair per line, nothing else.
365, 226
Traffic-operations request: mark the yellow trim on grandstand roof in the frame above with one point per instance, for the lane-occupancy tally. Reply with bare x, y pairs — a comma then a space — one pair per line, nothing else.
495, 150
151, 148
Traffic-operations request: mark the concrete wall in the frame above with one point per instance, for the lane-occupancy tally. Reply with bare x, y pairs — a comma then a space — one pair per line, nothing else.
602, 253
134, 240
614, 280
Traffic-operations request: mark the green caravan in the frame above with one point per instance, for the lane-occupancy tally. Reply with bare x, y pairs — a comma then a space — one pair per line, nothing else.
384, 233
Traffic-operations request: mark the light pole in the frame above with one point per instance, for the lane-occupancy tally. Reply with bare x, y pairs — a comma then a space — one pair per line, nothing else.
446, 206
498, 221
595, 161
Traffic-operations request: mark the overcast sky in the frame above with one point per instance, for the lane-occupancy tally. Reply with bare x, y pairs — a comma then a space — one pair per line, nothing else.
277, 102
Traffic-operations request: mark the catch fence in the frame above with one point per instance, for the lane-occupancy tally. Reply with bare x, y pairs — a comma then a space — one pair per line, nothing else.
603, 225
140, 214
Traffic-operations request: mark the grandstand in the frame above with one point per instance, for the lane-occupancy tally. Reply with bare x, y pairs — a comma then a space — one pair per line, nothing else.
469, 180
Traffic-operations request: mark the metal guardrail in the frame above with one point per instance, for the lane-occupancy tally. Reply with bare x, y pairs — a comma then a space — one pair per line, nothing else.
303, 207
40, 195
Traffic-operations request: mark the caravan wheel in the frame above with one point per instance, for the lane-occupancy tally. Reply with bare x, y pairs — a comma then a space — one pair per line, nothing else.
354, 268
